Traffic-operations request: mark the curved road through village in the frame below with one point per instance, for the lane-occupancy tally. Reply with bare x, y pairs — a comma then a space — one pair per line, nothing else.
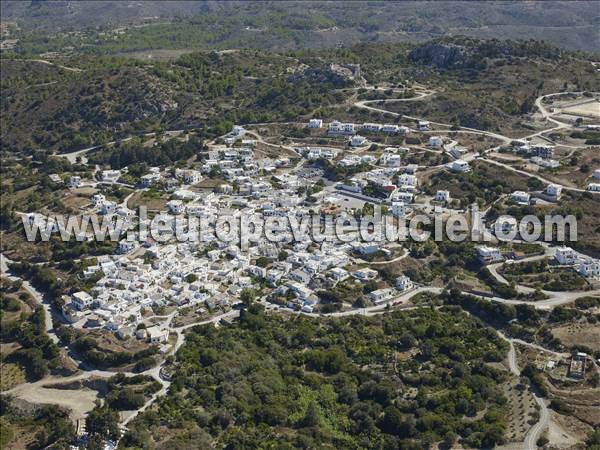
555, 298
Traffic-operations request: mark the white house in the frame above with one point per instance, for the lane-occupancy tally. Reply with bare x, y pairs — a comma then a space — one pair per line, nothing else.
315, 123
381, 295
403, 283
81, 300
373, 127
589, 268
185, 194
398, 209
55, 178
110, 176
191, 176
336, 127
390, 128
75, 181
149, 179
238, 131
176, 206
423, 125
357, 141
458, 152
390, 160
520, 197
459, 166
156, 335
402, 196
596, 174
351, 186
407, 182
365, 274
442, 196
338, 274
488, 254
125, 246
98, 199
436, 142
553, 191
366, 248
566, 256
593, 187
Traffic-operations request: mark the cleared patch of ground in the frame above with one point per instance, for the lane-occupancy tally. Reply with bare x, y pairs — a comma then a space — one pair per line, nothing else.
79, 401
579, 333
152, 200
591, 109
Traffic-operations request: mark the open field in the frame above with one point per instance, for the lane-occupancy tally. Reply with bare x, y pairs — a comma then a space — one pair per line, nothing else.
591, 109
579, 334
153, 201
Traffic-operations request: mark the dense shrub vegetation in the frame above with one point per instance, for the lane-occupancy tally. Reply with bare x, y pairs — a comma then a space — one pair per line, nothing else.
284, 382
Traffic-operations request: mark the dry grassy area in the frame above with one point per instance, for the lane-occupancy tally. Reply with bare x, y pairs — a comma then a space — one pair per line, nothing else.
521, 408
579, 333
151, 200
578, 174
11, 375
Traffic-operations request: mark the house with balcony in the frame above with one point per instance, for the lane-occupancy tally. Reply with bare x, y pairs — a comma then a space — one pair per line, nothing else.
489, 255
381, 295
442, 196
520, 197
315, 123
403, 283
459, 166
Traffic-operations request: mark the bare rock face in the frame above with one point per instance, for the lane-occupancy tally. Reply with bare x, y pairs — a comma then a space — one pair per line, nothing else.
441, 55
337, 74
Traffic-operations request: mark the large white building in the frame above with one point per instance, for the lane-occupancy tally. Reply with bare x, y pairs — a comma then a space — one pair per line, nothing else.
566, 256
460, 166
520, 197
336, 127
381, 295
81, 300
488, 255
372, 127
593, 187
553, 191
75, 181
423, 125
436, 142
357, 141
315, 123
403, 283
589, 268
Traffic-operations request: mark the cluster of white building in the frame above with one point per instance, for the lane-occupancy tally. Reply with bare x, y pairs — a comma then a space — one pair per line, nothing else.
211, 274
345, 128
586, 266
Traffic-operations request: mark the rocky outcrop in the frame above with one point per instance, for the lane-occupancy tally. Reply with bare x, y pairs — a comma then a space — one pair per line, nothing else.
339, 75
441, 55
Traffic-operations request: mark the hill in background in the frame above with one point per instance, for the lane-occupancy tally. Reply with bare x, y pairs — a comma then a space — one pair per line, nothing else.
110, 26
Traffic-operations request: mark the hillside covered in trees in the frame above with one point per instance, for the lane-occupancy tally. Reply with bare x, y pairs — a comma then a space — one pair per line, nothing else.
400, 380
